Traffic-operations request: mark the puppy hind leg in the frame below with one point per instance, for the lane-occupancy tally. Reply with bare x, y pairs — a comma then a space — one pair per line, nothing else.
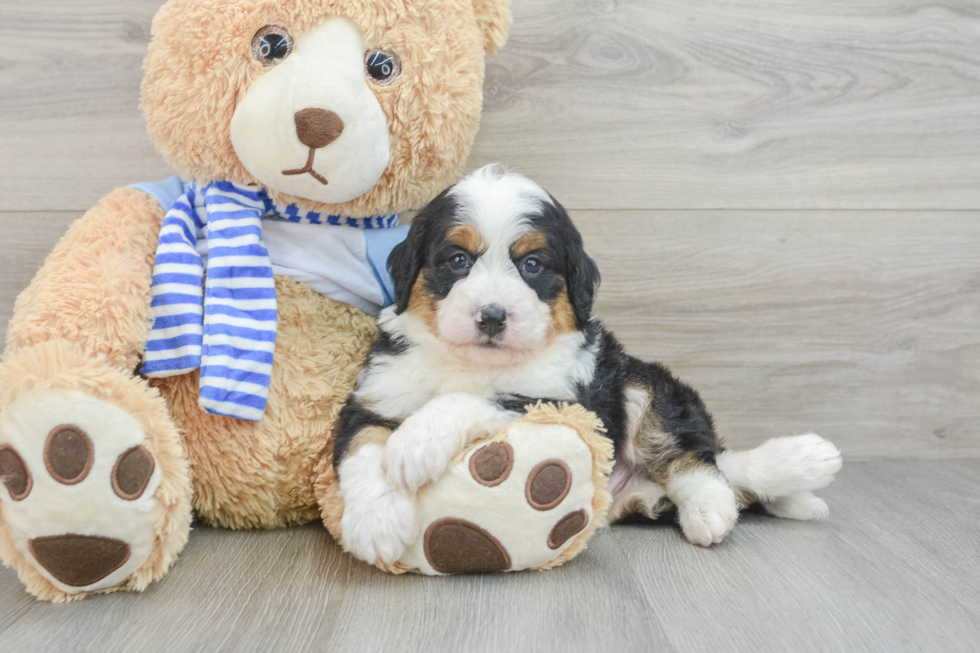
782, 466
638, 495
706, 504
802, 506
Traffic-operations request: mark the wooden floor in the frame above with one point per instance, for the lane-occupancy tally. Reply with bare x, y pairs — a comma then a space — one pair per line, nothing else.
784, 200
895, 568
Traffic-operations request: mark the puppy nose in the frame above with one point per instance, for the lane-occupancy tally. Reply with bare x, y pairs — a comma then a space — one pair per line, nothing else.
317, 128
493, 320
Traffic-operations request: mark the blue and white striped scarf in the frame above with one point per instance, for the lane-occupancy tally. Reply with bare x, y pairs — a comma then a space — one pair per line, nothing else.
226, 326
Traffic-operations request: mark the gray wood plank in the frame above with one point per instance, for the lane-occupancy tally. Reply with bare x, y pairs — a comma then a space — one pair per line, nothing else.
776, 585
933, 524
27, 241
294, 590
71, 128
632, 104
590, 604
861, 326
741, 103
14, 601
865, 580
228, 591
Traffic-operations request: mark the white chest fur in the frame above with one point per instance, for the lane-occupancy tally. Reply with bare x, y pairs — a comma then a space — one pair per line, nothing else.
395, 386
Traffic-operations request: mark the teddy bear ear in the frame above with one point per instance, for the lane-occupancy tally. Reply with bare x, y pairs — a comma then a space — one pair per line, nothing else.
493, 18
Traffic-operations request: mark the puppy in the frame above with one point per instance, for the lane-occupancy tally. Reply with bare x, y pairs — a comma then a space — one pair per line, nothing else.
493, 311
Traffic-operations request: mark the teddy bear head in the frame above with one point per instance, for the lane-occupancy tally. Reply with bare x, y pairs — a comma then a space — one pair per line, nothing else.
353, 107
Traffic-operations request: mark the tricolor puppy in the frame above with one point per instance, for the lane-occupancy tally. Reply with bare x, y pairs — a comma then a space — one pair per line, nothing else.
494, 295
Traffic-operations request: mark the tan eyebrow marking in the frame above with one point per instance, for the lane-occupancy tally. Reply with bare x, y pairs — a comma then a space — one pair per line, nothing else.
466, 236
528, 243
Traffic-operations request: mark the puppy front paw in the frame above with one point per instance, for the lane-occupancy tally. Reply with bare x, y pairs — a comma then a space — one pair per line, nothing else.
419, 451
379, 520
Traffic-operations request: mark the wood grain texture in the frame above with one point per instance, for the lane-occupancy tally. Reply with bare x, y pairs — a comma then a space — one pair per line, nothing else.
69, 102
740, 103
861, 326
933, 525
874, 577
776, 585
609, 103
859, 323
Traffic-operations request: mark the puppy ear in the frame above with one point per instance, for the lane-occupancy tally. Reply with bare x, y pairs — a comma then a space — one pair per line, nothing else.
405, 262
408, 257
493, 18
582, 276
581, 273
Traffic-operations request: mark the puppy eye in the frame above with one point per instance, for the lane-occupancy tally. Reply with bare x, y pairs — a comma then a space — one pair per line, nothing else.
382, 66
459, 261
531, 266
271, 45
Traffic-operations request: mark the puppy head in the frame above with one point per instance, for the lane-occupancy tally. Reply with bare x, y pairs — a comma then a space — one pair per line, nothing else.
494, 268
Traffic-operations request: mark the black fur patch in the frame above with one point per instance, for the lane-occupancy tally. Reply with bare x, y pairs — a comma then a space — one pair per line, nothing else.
678, 406
519, 403
438, 275
428, 231
387, 344
354, 418
568, 258
550, 281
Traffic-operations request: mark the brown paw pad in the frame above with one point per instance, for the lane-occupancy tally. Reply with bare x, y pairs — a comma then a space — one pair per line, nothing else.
14, 474
132, 473
568, 526
547, 484
457, 546
68, 454
79, 560
491, 465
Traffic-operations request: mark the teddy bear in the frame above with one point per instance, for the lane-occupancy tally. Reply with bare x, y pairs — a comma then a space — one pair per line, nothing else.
187, 346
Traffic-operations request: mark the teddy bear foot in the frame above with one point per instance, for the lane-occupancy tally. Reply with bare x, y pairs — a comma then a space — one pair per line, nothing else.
88, 490
528, 499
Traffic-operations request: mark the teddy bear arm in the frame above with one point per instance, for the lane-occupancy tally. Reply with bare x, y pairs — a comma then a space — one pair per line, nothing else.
94, 288
72, 348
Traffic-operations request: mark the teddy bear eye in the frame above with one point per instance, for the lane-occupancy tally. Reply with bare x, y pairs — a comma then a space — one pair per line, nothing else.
271, 45
382, 66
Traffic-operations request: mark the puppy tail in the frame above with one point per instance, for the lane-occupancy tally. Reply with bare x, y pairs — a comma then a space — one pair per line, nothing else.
782, 473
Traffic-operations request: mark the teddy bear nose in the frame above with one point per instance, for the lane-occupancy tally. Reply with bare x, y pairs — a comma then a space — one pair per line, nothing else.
317, 128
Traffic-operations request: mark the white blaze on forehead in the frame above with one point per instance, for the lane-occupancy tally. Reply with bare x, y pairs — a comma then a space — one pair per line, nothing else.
498, 203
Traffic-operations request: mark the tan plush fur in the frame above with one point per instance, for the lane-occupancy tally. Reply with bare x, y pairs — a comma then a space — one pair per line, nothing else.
433, 109
94, 289
260, 474
62, 365
82, 323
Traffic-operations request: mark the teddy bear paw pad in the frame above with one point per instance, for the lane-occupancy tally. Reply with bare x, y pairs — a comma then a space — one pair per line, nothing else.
77, 489
507, 505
